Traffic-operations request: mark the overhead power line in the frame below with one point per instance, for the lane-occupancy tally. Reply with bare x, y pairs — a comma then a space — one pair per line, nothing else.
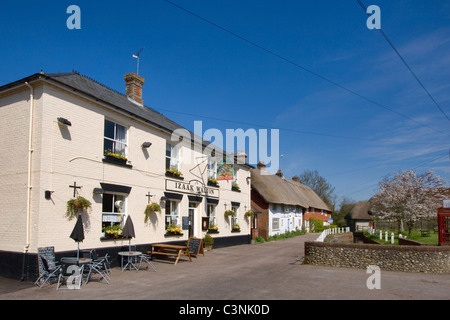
406, 64
314, 133
302, 67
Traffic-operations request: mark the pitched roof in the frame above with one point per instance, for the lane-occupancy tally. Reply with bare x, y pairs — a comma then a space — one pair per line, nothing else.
361, 211
93, 88
100, 92
309, 195
275, 189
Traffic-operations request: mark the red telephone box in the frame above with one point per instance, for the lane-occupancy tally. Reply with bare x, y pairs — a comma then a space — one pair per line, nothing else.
444, 226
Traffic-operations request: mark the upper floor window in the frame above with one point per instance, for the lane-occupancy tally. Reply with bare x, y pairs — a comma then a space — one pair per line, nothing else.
212, 168
172, 160
115, 139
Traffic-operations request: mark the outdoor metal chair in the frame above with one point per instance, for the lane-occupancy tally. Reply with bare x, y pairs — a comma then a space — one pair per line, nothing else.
146, 258
70, 272
100, 265
104, 259
50, 273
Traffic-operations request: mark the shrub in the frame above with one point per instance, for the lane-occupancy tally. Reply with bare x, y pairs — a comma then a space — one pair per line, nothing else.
316, 225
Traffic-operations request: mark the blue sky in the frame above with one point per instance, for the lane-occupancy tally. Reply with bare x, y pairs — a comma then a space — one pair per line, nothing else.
254, 77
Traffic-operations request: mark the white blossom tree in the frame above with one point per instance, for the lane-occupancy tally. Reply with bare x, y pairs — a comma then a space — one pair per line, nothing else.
407, 197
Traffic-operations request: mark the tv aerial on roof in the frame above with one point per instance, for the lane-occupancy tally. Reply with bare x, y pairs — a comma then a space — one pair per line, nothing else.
136, 55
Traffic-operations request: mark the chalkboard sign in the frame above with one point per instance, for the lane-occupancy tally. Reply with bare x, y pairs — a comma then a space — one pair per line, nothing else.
48, 254
185, 223
195, 246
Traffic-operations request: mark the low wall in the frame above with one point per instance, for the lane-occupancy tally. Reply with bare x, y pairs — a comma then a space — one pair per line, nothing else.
340, 238
407, 242
432, 259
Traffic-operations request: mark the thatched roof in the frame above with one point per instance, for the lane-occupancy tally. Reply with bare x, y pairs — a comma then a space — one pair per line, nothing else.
361, 211
281, 190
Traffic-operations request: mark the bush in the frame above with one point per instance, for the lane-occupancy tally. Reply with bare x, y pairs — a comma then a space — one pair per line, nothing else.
286, 235
208, 240
316, 225
259, 240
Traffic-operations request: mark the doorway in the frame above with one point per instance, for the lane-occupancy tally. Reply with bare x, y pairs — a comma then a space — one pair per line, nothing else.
192, 215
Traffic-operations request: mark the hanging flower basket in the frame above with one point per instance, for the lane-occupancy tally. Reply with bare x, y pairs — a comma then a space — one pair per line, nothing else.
228, 213
152, 207
74, 206
248, 214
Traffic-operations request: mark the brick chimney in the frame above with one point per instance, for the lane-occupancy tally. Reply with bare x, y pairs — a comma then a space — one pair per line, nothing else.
241, 157
261, 166
133, 84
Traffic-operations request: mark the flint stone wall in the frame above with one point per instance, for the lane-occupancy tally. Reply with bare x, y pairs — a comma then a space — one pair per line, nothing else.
428, 259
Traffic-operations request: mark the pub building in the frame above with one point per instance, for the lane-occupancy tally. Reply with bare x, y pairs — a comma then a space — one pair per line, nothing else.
68, 136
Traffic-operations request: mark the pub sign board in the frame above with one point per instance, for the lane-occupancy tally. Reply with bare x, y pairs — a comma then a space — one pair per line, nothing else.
193, 187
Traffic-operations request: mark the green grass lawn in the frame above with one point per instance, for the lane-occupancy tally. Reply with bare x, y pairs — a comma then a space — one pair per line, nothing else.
415, 235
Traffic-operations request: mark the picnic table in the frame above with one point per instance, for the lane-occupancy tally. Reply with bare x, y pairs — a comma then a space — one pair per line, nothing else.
425, 233
170, 250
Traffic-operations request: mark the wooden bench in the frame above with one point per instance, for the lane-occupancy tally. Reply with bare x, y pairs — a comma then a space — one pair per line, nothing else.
425, 233
170, 250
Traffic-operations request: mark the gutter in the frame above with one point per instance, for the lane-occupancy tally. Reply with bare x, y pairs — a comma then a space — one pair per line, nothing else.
29, 187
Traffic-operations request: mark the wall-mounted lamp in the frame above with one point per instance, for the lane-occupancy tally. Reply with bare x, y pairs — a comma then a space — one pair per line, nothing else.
98, 191
48, 194
163, 198
64, 121
146, 145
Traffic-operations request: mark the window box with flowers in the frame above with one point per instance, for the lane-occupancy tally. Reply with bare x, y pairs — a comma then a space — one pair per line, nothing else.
235, 187
213, 229
235, 228
115, 158
113, 231
174, 173
173, 230
213, 182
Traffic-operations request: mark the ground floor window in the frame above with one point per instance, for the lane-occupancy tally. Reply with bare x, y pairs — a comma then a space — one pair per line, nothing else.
113, 212
275, 224
172, 213
234, 218
211, 214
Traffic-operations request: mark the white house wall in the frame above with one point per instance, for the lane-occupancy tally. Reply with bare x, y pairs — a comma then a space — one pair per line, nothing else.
288, 219
67, 154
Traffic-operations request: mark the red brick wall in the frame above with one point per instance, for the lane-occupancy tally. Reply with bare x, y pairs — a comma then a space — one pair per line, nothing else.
317, 215
260, 205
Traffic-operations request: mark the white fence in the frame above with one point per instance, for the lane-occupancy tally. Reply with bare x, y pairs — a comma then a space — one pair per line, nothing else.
327, 232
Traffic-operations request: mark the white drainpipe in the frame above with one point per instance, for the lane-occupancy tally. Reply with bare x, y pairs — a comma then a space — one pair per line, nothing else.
30, 154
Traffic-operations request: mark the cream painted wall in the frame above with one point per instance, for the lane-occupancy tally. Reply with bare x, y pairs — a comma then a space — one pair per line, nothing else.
64, 155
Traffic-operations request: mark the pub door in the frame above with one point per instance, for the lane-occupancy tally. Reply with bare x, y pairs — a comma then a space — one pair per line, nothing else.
192, 214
